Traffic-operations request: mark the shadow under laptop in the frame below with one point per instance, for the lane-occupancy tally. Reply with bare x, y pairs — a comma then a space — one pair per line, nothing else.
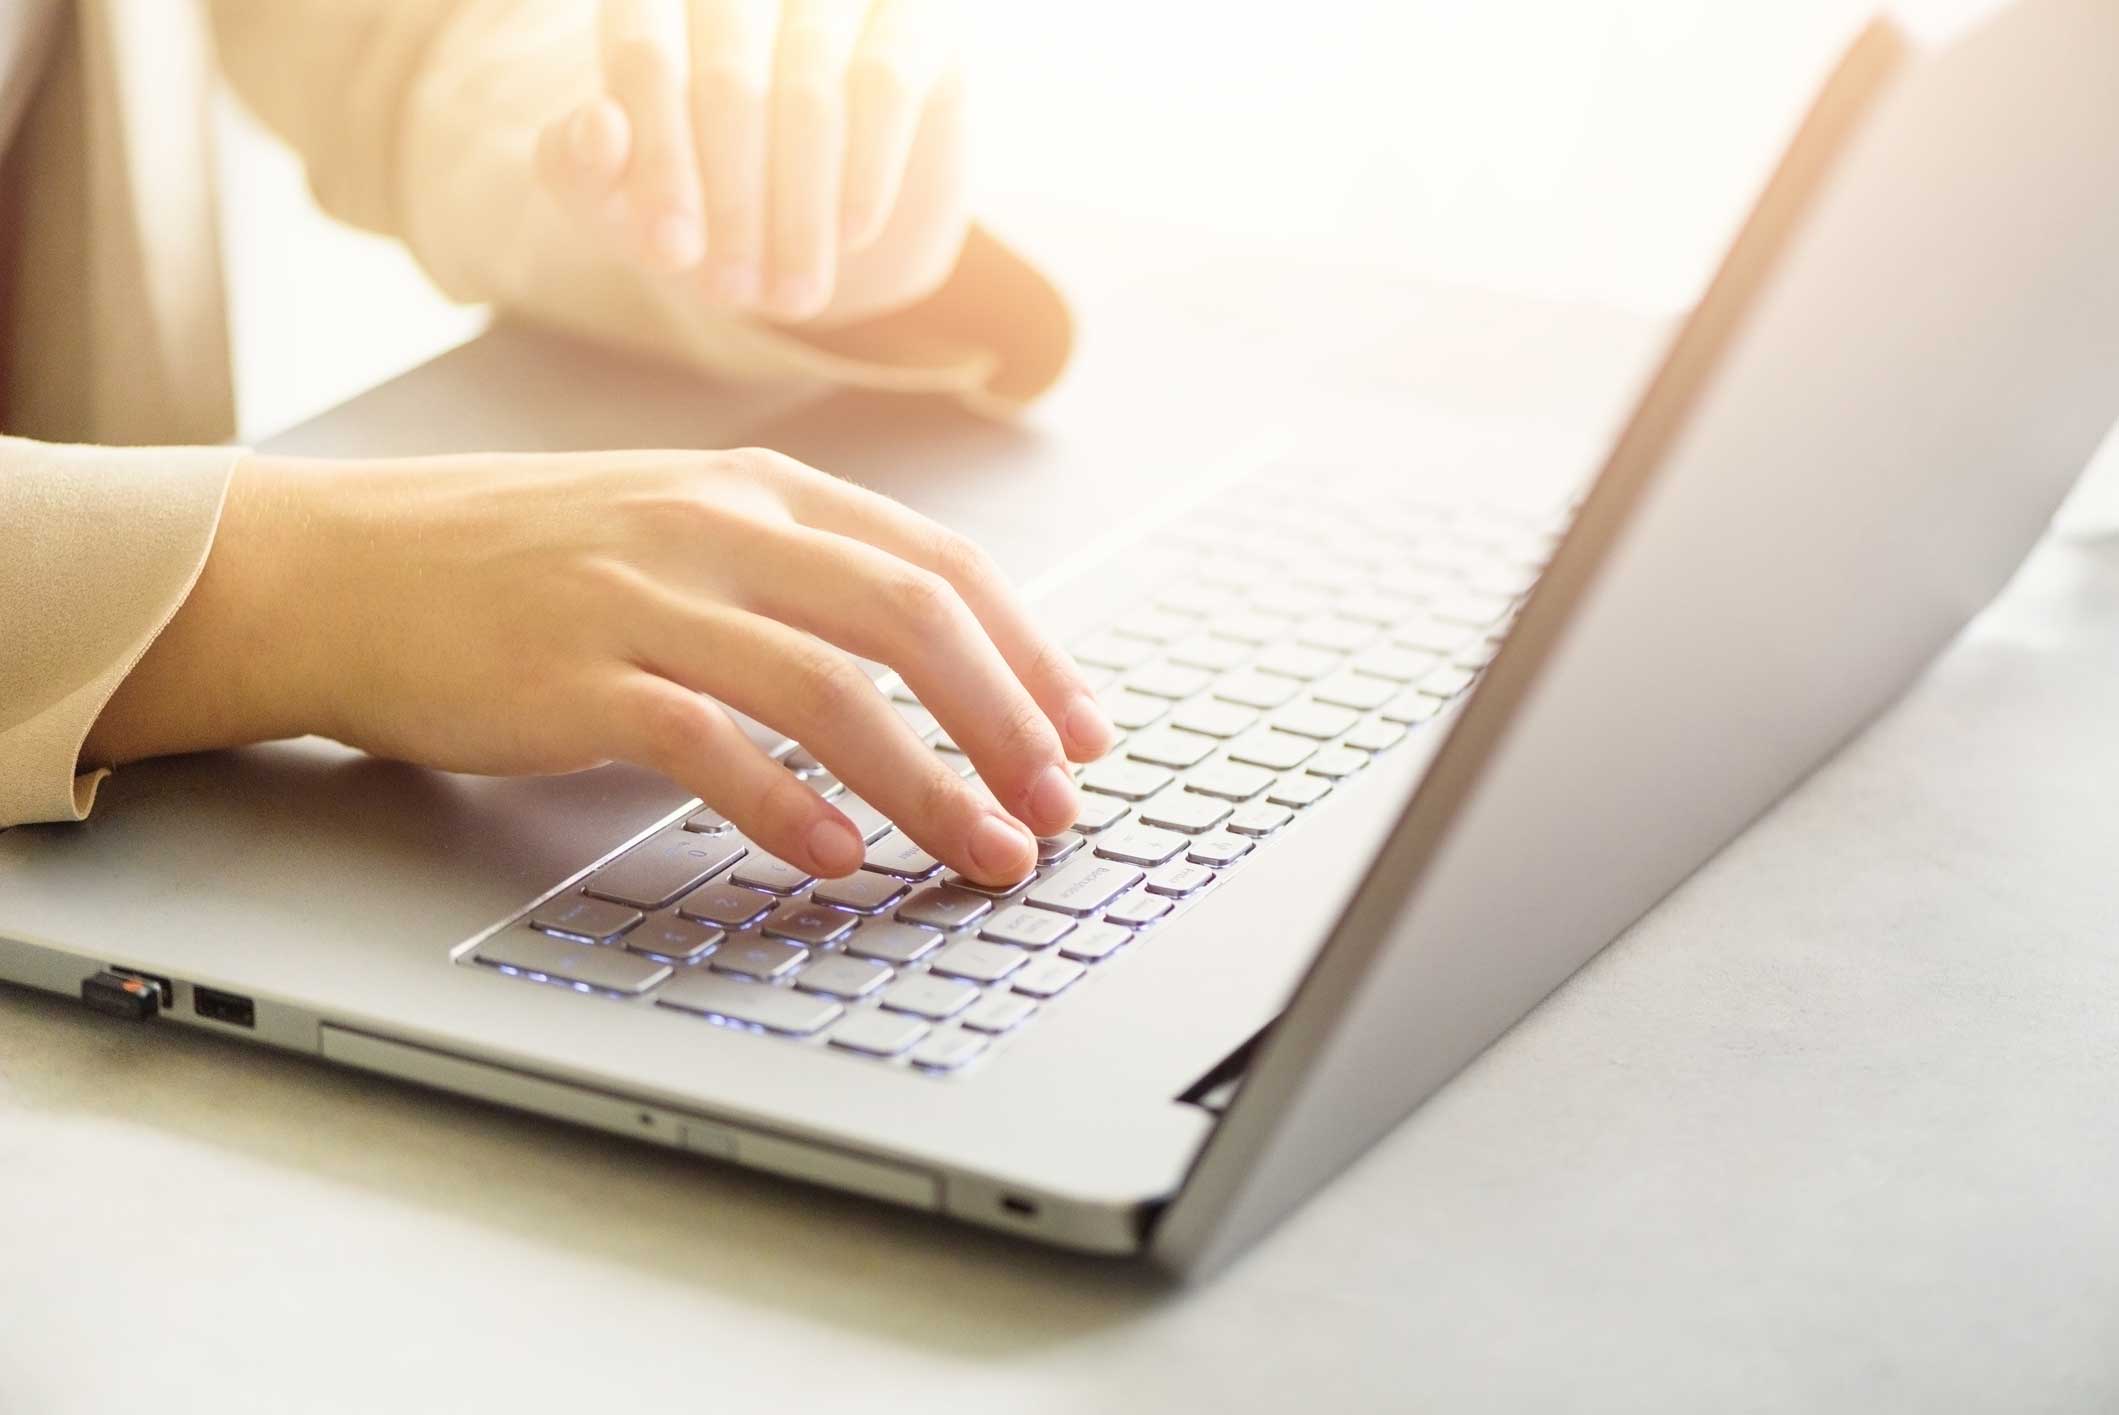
896, 1274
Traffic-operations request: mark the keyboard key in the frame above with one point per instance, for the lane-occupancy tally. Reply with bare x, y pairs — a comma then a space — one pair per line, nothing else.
947, 1051
1092, 943
896, 855
863, 893
991, 891
1296, 661
1131, 781
1141, 845
1328, 631
1260, 818
1047, 977
870, 822
998, 1012
1376, 735
1473, 610
1247, 627
1052, 849
726, 905
1100, 813
893, 943
1180, 878
925, 995
1276, 750
804, 764
1170, 747
825, 785
1335, 763
663, 867
1410, 707
1130, 711
1111, 651
1434, 636
1083, 886
1157, 626
840, 976
1398, 665
707, 821
1446, 682
1219, 850
751, 1004
977, 962
1318, 720
1209, 651
1355, 690
677, 940
1188, 811
1136, 910
1026, 927
1251, 688
1299, 790
1168, 680
1213, 718
587, 920
772, 874
1231, 781
939, 906
812, 924
1476, 654
748, 956
611, 969
877, 1033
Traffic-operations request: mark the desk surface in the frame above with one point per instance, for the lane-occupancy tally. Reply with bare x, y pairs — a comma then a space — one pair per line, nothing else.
1833, 1128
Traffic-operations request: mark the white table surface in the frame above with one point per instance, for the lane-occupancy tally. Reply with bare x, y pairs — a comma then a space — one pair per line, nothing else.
1833, 1129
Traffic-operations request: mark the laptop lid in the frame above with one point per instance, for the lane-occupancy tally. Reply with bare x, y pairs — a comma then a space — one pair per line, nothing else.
1907, 357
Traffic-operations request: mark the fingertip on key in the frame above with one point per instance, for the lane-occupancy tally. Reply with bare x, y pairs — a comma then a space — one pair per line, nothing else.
1001, 849
1053, 802
834, 848
1088, 728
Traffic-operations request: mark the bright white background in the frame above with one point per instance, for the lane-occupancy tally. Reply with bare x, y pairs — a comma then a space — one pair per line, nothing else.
1590, 148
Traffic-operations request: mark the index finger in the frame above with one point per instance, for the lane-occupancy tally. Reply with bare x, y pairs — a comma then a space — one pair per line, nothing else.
826, 502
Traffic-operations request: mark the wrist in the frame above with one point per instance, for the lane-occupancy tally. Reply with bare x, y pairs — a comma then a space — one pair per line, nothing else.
235, 662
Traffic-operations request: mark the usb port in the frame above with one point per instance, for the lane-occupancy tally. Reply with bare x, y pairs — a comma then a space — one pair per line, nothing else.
232, 1008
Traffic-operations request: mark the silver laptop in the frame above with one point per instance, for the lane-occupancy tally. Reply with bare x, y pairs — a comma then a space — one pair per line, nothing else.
1398, 758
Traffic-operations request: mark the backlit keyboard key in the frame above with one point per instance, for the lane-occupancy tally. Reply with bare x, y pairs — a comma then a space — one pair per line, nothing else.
1136, 910
893, 942
1188, 811
587, 920
896, 855
810, 924
677, 940
1299, 789
878, 1033
837, 975
1231, 781
1130, 781
1335, 763
771, 874
1101, 813
1083, 886
939, 906
927, 996
1025, 927
762, 959
664, 866
1376, 735
1092, 943
751, 1004
1277, 750
1179, 878
1047, 977
977, 962
727, 905
1219, 849
1170, 747
1260, 818
947, 1051
1141, 845
527, 951
863, 893
998, 1012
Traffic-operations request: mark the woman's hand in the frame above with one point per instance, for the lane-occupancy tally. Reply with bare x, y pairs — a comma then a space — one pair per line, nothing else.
792, 158
522, 614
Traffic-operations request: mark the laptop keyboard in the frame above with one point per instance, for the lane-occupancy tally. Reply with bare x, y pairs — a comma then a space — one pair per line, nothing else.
1296, 632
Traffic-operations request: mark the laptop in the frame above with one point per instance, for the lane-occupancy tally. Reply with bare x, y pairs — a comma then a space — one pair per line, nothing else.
1399, 758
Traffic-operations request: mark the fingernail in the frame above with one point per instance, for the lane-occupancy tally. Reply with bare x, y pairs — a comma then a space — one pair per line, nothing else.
797, 296
834, 847
1053, 798
1001, 848
1088, 726
678, 240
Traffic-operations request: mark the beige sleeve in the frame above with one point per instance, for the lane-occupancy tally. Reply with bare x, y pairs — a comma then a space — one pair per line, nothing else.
98, 548
419, 119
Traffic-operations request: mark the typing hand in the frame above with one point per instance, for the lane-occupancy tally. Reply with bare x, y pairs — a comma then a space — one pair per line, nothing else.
788, 158
520, 614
